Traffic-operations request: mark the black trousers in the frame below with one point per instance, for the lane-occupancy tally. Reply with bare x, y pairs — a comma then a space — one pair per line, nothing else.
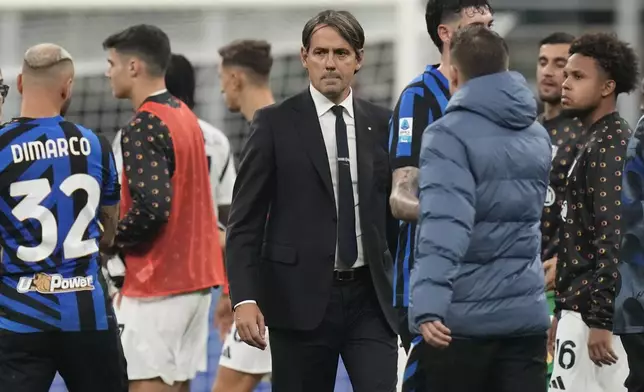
634, 346
473, 365
87, 361
353, 327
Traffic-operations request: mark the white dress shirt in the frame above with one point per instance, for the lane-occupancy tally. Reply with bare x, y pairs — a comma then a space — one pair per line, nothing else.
327, 124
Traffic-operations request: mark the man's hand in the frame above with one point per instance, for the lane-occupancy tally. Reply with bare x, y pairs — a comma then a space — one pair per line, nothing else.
250, 325
224, 316
222, 240
116, 299
550, 270
552, 335
436, 334
600, 347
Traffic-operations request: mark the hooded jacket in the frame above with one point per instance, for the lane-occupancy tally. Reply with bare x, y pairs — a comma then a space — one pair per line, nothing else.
484, 169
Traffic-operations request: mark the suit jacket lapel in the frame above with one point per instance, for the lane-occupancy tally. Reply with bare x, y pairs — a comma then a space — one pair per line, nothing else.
364, 147
308, 126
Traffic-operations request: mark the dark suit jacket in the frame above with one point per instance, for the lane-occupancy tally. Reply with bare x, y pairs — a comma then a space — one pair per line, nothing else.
281, 238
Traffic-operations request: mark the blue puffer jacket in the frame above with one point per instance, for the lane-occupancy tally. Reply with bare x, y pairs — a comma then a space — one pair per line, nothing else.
483, 179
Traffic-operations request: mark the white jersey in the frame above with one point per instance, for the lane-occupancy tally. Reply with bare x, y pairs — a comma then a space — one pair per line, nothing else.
573, 371
220, 163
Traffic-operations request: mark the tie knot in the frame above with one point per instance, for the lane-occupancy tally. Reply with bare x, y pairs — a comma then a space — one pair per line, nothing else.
337, 110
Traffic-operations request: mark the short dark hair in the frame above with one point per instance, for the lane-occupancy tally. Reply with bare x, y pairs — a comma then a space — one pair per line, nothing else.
478, 51
557, 38
180, 79
147, 42
254, 55
617, 58
342, 21
438, 12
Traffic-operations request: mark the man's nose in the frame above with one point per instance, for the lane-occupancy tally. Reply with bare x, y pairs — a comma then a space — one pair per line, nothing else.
548, 70
329, 62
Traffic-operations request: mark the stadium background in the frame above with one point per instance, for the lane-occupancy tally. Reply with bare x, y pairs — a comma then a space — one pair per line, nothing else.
397, 49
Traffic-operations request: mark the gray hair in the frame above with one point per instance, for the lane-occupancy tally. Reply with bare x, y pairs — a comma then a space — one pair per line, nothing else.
342, 21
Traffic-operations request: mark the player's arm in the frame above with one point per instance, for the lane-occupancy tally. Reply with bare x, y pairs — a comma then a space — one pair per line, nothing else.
403, 200
252, 195
410, 118
447, 199
605, 179
110, 197
148, 164
109, 218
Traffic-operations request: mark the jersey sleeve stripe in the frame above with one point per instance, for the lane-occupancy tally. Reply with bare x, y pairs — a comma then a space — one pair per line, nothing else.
408, 100
393, 130
406, 111
108, 165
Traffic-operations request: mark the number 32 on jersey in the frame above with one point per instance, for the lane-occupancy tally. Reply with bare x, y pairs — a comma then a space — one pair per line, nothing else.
35, 192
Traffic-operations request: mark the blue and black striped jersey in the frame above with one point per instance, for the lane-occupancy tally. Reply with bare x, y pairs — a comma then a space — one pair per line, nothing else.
54, 177
422, 102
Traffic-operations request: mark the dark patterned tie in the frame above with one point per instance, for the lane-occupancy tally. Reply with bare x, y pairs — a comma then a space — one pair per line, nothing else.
347, 242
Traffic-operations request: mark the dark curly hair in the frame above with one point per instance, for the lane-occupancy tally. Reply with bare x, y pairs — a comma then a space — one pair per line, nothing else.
438, 12
617, 58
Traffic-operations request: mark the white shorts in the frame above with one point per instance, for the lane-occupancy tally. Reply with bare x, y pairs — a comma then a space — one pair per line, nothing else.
239, 356
165, 337
573, 370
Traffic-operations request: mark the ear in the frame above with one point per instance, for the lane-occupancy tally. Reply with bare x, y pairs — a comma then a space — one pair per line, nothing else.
445, 34
609, 88
304, 55
67, 92
360, 59
237, 79
19, 84
133, 67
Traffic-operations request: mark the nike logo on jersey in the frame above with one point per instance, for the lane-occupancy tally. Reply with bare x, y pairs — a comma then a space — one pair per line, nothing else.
53, 284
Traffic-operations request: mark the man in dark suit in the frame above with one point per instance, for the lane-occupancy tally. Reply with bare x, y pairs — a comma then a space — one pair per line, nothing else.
307, 229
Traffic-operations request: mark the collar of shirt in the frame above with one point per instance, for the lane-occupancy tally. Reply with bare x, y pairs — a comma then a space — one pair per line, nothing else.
323, 104
158, 92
